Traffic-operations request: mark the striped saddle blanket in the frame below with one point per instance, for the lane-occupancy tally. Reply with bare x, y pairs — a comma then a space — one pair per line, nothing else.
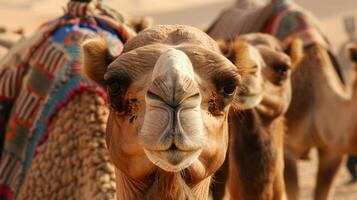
290, 20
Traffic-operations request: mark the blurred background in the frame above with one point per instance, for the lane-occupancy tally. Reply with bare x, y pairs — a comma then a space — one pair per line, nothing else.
199, 13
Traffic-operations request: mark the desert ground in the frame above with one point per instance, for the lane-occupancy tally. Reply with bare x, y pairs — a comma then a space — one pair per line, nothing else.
307, 173
28, 14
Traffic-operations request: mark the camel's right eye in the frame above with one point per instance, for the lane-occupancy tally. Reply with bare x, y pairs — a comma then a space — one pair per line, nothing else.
229, 90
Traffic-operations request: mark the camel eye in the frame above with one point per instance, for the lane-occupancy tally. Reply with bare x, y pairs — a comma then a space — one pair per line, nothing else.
115, 88
229, 90
281, 69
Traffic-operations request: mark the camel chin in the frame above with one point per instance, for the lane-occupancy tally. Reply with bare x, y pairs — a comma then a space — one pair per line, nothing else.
173, 160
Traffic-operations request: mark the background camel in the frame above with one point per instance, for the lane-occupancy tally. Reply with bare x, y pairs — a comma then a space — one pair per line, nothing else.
54, 119
312, 124
254, 168
170, 94
9, 37
318, 86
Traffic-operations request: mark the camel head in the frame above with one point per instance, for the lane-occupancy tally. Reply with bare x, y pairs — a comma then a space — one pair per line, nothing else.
269, 78
170, 92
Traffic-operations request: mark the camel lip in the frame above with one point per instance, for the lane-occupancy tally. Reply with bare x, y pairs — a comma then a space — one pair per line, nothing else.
173, 160
172, 148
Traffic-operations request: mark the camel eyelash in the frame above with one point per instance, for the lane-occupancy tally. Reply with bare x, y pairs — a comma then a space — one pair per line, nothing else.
122, 79
226, 80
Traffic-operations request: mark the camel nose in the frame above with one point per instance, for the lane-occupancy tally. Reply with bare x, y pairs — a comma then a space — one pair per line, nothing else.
173, 79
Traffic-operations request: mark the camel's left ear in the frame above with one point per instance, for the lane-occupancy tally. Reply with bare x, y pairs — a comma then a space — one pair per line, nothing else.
295, 51
143, 23
352, 50
96, 58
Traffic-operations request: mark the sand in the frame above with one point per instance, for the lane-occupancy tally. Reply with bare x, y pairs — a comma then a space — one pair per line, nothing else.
307, 174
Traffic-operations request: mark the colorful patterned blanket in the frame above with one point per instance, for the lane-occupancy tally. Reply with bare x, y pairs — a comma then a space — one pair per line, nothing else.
39, 75
281, 18
290, 20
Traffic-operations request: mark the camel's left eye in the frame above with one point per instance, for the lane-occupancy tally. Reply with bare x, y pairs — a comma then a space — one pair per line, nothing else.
229, 90
115, 88
281, 69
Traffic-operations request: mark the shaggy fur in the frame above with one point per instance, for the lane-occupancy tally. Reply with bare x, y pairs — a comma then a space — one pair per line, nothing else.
174, 186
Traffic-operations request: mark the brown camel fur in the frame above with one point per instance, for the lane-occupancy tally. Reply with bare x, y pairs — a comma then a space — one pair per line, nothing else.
170, 94
320, 116
254, 168
322, 105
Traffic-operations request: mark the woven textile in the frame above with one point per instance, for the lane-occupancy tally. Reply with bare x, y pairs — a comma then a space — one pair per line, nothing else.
39, 75
281, 18
289, 20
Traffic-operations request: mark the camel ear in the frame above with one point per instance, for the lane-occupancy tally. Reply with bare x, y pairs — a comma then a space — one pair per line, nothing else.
223, 46
228, 49
95, 58
352, 50
295, 51
145, 22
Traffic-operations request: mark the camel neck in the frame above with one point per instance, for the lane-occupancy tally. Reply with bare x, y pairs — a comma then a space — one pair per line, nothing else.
164, 186
251, 143
325, 72
127, 188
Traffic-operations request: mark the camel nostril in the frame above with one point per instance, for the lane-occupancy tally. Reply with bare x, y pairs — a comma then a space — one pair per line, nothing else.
173, 147
174, 104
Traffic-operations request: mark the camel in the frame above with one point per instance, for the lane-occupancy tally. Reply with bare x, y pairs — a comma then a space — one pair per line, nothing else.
54, 120
8, 38
170, 94
323, 101
254, 167
314, 126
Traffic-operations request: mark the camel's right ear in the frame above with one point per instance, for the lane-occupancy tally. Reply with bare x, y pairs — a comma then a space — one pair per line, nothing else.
352, 49
223, 46
96, 58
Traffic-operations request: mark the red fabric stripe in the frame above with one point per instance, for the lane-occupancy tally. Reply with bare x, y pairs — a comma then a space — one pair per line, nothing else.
6, 193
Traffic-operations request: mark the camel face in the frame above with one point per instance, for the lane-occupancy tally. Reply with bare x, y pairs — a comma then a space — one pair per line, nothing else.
268, 74
277, 84
170, 92
244, 54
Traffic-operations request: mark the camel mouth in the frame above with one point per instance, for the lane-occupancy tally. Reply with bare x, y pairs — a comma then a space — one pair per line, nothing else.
250, 100
173, 159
